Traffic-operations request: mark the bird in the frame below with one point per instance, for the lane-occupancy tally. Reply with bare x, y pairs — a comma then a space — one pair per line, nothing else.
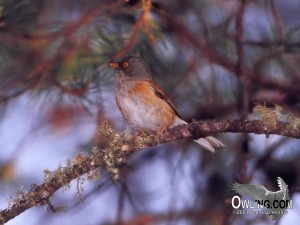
144, 104
259, 193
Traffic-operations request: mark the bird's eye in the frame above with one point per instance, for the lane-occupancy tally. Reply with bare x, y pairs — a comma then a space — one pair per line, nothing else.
125, 64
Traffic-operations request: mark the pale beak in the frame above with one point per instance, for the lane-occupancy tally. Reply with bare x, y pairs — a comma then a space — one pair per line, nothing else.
114, 65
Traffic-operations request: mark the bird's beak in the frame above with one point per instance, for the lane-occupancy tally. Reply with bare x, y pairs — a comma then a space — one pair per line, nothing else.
114, 65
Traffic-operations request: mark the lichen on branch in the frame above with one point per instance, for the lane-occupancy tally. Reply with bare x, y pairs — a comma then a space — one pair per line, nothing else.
120, 146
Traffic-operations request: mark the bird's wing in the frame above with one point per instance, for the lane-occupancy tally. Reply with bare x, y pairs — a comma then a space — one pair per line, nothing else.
161, 94
282, 185
257, 192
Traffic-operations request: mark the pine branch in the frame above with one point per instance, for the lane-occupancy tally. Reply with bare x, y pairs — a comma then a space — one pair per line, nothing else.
120, 147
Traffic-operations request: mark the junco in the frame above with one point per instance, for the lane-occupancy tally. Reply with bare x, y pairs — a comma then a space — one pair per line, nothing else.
144, 104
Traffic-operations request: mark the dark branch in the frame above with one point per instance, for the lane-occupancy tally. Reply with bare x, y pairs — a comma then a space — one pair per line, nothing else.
119, 149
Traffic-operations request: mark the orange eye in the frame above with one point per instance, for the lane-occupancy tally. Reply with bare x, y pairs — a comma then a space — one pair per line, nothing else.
125, 64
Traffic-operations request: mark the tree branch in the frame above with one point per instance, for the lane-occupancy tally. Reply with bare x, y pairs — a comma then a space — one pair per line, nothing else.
120, 147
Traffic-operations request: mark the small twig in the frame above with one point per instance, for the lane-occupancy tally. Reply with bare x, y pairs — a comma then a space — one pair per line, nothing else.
183, 33
277, 20
242, 72
142, 20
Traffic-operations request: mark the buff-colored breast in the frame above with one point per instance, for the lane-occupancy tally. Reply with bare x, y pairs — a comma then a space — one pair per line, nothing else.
142, 108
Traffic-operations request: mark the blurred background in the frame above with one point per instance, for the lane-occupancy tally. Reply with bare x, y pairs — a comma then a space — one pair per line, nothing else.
217, 59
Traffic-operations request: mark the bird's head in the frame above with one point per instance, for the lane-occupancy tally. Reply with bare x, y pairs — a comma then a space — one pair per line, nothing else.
131, 67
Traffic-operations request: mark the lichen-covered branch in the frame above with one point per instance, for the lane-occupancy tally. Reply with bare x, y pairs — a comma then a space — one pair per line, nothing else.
121, 146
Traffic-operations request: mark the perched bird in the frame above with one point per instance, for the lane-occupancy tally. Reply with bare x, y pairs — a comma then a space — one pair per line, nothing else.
259, 193
144, 104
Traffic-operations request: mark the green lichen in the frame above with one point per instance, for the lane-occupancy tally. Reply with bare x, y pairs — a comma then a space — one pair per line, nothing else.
271, 117
116, 143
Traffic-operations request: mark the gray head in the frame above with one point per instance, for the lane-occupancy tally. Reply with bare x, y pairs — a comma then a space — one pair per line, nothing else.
131, 67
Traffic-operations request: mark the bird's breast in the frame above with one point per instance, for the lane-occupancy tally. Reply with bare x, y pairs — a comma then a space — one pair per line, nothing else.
141, 108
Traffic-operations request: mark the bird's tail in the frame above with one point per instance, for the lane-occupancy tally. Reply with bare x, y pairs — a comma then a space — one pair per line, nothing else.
210, 143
